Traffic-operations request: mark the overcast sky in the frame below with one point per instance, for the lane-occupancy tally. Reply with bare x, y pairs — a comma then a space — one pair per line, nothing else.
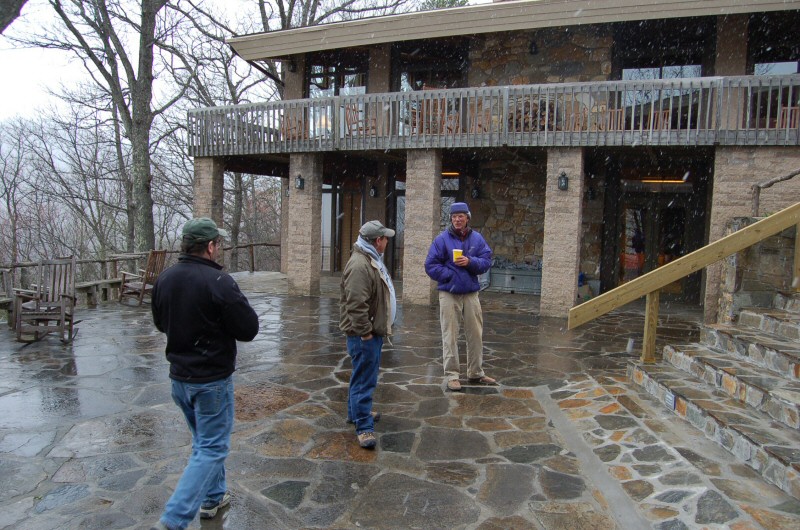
29, 74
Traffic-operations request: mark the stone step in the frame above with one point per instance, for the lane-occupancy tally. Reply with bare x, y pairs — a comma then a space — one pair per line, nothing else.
780, 322
767, 350
752, 437
787, 301
775, 396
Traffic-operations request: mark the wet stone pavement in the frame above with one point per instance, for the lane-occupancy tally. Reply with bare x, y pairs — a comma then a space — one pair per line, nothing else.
90, 439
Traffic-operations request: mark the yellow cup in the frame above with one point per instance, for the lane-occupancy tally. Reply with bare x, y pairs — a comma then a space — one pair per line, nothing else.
457, 252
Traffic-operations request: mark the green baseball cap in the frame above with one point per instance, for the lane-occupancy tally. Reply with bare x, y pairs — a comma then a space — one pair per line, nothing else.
202, 229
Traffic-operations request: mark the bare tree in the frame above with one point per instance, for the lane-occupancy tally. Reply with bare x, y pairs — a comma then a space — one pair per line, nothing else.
9, 10
118, 51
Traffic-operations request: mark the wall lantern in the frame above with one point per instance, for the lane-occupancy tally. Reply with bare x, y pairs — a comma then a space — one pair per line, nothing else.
563, 181
373, 191
533, 49
299, 182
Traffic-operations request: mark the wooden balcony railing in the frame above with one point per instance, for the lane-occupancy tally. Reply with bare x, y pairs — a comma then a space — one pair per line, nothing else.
747, 110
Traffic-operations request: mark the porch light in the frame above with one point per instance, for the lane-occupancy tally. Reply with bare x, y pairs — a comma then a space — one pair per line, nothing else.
299, 182
563, 181
533, 49
373, 191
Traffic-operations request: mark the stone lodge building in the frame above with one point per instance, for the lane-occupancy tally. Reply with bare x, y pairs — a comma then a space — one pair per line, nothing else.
600, 138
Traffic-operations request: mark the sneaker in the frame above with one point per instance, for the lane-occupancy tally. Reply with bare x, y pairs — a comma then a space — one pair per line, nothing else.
376, 417
367, 440
160, 526
208, 511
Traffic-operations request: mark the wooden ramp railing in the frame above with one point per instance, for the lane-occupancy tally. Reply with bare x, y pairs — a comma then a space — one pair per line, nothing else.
651, 283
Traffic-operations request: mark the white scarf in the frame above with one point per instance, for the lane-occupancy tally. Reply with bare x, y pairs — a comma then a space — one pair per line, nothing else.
372, 252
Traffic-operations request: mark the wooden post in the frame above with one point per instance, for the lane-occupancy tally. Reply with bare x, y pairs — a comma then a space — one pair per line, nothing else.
796, 273
650, 322
251, 248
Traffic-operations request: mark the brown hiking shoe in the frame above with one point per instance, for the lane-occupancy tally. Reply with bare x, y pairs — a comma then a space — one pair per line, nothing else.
367, 440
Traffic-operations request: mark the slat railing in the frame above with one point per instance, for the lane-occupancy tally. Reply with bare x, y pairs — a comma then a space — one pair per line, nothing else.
745, 110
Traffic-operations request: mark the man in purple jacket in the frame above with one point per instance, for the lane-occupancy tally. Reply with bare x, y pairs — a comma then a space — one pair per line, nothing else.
457, 276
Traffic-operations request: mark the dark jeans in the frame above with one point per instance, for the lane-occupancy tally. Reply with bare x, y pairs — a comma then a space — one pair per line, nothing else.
366, 358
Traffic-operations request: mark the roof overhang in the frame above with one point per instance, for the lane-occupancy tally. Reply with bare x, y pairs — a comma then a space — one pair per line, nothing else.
485, 18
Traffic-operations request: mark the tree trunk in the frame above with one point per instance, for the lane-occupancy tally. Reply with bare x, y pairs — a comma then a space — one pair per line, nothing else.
142, 120
236, 219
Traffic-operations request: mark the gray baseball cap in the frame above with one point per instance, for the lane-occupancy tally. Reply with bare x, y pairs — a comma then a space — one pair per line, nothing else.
374, 229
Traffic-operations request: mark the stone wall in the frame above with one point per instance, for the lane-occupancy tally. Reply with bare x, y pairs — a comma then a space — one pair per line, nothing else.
751, 277
510, 212
736, 169
564, 55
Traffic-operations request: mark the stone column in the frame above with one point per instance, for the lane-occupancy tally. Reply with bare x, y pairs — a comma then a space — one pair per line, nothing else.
423, 208
286, 191
562, 232
736, 169
208, 181
731, 59
304, 233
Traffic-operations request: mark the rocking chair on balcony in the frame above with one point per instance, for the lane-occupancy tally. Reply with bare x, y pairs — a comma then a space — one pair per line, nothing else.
50, 304
137, 286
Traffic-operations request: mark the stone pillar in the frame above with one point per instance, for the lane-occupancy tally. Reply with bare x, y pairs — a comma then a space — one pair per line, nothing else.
736, 169
731, 45
293, 88
563, 211
208, 181
731, 59
380, 68
304, 233
423, 210
286, 191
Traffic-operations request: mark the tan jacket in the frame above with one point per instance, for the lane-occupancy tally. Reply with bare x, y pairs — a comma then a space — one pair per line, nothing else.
364, 303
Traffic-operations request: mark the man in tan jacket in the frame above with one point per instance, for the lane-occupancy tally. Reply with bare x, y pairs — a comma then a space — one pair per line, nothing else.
368, 306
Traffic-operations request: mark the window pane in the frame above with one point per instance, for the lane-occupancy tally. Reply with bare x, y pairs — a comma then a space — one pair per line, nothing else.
776, 68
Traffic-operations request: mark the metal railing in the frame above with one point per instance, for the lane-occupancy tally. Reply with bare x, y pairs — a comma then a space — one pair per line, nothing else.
745, 110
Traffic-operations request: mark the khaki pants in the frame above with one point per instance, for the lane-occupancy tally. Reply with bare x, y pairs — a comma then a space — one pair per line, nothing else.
453, 309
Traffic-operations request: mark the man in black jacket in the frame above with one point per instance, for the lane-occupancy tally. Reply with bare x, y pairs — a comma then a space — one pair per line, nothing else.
203, 313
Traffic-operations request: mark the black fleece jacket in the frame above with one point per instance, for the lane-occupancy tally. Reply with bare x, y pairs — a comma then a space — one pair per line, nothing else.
203, 313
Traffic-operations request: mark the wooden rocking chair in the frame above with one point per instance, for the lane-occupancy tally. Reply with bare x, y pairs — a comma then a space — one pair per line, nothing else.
7, 296
50, 305
136, 286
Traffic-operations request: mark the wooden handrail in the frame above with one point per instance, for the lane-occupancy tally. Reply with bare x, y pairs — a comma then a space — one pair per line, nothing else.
651, 283
764, 185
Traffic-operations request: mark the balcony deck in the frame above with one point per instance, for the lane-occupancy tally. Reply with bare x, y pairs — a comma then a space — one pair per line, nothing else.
746, 110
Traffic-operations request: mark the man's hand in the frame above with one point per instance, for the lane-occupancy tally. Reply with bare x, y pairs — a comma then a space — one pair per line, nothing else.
461, 261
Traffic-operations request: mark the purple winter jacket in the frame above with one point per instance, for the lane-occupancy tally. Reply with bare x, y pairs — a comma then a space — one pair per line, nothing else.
440, 267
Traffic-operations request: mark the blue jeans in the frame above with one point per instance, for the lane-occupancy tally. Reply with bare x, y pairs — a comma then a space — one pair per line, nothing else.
366, 359
208, 408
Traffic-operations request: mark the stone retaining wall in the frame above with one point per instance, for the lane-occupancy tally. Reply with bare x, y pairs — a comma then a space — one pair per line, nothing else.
751, 277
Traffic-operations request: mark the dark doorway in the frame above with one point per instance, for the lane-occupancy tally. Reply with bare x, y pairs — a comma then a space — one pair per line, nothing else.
655, 213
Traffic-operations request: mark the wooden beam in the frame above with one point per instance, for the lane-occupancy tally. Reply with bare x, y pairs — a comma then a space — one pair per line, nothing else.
650, 323
692, 262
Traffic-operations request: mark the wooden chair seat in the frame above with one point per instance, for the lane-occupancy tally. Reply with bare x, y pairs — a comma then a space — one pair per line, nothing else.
50, 305
138, 285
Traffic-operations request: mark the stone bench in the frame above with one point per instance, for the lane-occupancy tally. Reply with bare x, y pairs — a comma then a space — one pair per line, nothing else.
91, 289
